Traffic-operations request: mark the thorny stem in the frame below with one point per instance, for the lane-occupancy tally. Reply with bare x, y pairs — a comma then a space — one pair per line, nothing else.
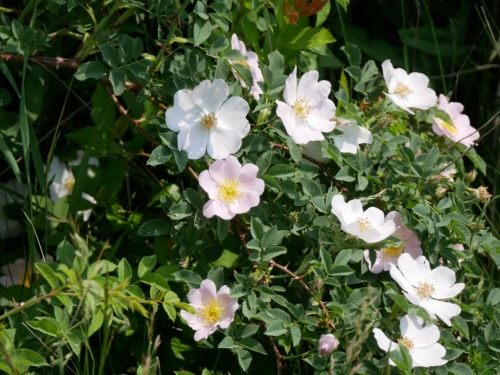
299, 279
29, 303
321, 165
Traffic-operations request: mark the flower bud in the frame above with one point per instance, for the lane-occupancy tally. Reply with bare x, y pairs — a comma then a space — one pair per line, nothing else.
471, 176
482, 193
327, 344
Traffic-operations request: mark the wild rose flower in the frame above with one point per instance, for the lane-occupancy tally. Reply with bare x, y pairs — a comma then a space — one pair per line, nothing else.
307, 111
64, 180
389, 255
8, 226
421, 341
425, 288
460, 130
408, 90
213, 309
208, 121
17, 273
353, 136
232, 188
252, 64
370, 225
327, 344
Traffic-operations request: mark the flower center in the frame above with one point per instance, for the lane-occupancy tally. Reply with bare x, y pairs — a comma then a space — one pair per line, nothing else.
211, 312
228, 192
244, 63
301, 109
406, 342
69, 183
209, 121
392, 252
402, 89
449, 127
363, 224
425, 289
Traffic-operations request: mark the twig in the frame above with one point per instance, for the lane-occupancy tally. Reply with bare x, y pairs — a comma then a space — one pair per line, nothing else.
193, 173
299, 279
124, 112
320, 164
279, 357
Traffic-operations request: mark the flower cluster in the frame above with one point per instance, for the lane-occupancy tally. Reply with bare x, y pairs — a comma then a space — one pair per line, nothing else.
209, 121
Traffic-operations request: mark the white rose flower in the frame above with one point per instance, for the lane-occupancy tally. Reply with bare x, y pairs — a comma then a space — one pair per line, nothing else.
370, 225
420, 340
408, 90
252, 64
64, 180
307, 111
206, 121
353, 136
425, 288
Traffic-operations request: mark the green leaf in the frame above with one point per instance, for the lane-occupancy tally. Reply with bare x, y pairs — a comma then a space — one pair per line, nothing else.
154, 228
256, 228
190, 277
252, 344
493, 297
137, 48
276, 328
431, 159
201, 31
124, 270
244, 359
345, 175
477, 160
194, 198
117, 79
159, 155
91, 69
49, 326
281, 171
276, 64
459, 369
244, 73
109, 55
272, 252
279, 314
326, 259
222, 228
181, 158
48, 274
309, 37
146, 264
26, 357
125, 49
461, 326
170, 310
65, 252
400, 300
96, 322
272, 237
234, 54
100, 267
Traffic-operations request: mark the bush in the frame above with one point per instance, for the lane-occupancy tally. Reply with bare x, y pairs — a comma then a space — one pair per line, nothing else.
174, 202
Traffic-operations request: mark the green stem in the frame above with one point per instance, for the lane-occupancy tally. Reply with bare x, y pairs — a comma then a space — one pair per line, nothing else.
29, 304
306, 354
159, 58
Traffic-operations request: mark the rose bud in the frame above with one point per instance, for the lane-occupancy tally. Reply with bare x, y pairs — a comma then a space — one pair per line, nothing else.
327, 344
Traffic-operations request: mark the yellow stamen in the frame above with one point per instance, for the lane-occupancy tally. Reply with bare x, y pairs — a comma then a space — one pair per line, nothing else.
392, 252
301, 109
209, 121
243, 62
69, 183
364, 224
402, 89
211, 312
406, 342
425, 289
449, 127
228, 192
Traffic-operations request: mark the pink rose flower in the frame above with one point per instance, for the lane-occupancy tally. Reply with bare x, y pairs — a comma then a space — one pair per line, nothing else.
327, 344
232, 188
213, 309
388, 255
460, 130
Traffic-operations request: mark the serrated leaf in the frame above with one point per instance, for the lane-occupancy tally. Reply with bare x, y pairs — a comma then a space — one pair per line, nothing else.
190, 277
48, 274
109, 55
49, 326
244, 359
146, 264
91, 69
222, 228
124, 270
26, 357
160, 155
272, 252
459, 369
154, 228
96, 322
201, 31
